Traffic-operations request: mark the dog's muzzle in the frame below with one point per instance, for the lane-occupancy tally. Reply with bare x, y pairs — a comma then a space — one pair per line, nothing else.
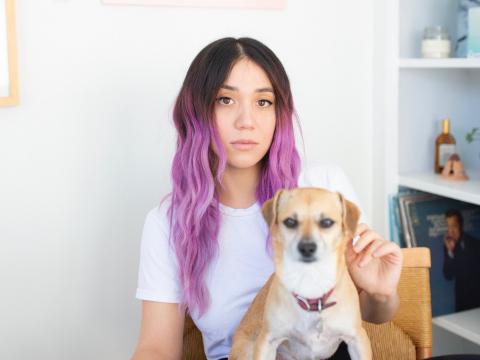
307, 250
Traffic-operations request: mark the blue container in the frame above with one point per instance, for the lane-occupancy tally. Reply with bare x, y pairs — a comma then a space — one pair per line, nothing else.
473, 39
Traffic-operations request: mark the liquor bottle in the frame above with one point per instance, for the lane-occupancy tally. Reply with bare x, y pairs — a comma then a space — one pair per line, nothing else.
444, 146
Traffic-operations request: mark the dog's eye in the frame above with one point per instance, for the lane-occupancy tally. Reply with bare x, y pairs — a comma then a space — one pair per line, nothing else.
326, 223
290, 223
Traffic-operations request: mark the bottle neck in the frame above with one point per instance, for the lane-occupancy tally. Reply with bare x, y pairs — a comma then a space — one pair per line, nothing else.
446, 126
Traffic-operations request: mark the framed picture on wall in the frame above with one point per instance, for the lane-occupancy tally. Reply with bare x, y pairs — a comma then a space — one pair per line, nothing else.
257, 4
8, 55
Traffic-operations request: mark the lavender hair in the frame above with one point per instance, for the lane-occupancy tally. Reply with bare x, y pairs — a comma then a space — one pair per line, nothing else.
200, 158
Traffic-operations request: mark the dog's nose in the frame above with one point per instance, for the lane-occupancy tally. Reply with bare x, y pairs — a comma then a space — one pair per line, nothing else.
307, 248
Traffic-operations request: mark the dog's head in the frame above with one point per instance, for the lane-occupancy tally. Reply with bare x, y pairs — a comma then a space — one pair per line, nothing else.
310, 223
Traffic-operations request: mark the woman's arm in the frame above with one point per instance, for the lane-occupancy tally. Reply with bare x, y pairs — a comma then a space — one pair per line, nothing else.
375, 265
378, 309
161, 332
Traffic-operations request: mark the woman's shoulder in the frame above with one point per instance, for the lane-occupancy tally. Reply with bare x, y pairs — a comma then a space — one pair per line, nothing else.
156, 232
158, 268
331, 177
157, 217
326, 175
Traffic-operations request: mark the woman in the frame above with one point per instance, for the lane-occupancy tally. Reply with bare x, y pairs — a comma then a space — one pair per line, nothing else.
235, 148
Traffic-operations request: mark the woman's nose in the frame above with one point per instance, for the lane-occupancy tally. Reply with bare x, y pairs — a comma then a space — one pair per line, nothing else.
245, 118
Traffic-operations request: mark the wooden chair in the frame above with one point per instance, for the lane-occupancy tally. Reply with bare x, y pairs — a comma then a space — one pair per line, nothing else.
408, 336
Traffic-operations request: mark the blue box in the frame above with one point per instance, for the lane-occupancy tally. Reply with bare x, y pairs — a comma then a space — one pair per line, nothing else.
473, 41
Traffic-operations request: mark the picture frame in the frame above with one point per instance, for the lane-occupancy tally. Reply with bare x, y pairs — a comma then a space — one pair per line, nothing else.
253, 4
9, 95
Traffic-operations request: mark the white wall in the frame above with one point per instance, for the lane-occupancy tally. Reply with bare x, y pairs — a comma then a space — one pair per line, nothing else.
87, 153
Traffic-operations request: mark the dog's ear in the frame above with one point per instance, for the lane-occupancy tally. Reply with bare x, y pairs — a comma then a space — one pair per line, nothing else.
270, 208
350, 215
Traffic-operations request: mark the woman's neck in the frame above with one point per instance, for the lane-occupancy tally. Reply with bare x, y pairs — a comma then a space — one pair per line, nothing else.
239, 187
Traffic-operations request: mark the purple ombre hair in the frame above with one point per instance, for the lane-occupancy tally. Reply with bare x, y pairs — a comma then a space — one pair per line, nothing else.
200, 158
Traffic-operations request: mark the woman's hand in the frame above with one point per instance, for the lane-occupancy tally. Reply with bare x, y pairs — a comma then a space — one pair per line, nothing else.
374, 263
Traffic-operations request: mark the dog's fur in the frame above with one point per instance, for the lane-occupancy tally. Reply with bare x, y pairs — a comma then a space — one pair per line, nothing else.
275, 326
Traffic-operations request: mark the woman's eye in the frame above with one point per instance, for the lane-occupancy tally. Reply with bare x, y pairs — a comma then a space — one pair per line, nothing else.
290, 223
326, 223
224, 100
263, 102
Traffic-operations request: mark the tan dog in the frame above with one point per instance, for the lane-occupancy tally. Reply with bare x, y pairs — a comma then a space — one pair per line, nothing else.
310, 228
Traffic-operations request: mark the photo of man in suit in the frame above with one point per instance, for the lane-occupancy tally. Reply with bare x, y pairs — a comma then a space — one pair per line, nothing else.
462, 262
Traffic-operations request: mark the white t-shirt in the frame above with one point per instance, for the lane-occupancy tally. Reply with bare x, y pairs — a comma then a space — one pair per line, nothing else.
241, 268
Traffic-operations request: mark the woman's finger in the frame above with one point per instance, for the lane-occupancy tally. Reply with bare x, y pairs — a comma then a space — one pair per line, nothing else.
389, 248
350, 254
361, 228
367, 254
365, 239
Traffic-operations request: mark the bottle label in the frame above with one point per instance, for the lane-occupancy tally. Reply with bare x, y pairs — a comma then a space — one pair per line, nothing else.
444, 152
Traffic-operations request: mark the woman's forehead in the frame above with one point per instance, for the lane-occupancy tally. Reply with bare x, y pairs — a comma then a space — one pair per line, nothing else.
246, 75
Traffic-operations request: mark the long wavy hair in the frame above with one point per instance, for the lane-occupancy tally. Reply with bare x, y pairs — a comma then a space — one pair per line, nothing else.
200, 158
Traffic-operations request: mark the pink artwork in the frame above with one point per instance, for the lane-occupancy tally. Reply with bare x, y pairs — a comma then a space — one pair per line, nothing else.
258, 4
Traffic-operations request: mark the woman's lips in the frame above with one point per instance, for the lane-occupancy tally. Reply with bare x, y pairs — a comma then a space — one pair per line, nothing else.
244, 146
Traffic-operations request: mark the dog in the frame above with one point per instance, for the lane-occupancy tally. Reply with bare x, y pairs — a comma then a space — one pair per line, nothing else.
310, 304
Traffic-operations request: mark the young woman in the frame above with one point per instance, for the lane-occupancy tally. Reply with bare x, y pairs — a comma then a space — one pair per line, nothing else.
205, 248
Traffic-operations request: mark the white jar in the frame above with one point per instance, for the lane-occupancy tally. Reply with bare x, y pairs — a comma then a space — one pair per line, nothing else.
436, 43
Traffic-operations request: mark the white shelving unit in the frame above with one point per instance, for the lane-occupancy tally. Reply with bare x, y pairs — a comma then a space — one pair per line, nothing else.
453, 63
411, 97
465, 324
457, 333
468, 191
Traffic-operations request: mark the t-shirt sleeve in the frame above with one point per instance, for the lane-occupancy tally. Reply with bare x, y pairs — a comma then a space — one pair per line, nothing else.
342, 184
333, 178
158, 271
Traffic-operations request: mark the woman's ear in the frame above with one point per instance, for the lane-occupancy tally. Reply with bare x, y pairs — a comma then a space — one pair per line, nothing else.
270, 208
350, 215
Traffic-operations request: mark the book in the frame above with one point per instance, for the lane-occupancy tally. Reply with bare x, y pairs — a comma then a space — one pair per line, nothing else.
426, 225
401, 227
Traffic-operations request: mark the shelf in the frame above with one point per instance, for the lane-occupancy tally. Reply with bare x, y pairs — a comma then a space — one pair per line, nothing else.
451, 63
465, 324
468, 191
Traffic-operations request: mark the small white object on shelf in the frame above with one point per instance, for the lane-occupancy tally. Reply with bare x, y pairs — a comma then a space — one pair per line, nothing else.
436, 43
468, 191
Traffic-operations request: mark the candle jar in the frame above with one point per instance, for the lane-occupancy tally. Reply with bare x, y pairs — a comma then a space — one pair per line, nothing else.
436, 43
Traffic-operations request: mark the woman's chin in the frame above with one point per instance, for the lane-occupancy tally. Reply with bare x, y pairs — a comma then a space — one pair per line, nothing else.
243, 163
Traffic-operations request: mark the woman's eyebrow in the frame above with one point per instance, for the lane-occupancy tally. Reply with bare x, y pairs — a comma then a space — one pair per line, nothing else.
233, 88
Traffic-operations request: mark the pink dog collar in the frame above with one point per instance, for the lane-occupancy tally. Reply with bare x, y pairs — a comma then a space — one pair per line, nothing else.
318, 304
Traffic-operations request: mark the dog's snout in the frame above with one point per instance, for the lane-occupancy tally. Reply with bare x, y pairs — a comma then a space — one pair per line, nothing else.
307, 248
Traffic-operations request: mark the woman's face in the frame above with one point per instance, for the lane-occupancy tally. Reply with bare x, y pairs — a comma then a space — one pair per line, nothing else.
245, 114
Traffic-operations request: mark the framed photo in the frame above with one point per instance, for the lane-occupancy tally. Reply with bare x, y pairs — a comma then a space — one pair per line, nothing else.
8, 55
258, 4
